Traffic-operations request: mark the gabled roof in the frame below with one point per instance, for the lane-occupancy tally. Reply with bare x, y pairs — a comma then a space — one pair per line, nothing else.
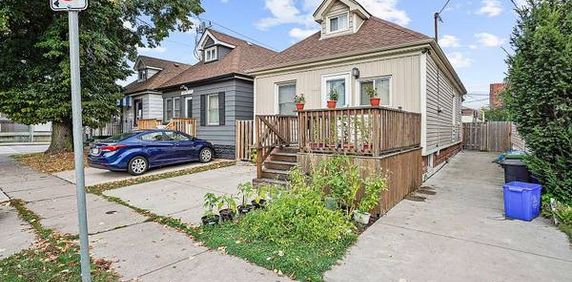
352, 4
374, 34
168, 70
244, 56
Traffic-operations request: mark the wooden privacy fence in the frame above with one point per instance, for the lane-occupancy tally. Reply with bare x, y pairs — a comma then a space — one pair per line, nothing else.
186, 125
359, 130
244, 139
273, 131
491, 136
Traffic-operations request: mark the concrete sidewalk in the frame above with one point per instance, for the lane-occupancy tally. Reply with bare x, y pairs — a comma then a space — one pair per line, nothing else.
15, 234
138, 249
457, 233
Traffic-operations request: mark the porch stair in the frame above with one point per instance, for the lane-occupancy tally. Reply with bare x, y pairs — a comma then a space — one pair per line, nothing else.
276, 168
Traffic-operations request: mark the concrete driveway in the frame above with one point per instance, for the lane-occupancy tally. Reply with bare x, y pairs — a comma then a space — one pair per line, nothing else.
455, 231
182, 197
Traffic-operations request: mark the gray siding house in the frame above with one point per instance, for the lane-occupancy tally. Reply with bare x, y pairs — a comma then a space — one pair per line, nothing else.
216, 91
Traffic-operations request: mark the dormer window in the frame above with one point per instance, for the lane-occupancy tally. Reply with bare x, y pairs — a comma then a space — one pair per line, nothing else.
338, 23
142, 74
211, 54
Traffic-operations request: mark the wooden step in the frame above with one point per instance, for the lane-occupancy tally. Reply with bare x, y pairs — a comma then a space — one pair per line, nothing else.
292, 150
267, 181
279, 165
284, 157
275, 174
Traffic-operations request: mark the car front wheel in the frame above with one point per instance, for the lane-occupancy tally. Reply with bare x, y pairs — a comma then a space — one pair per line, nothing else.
206, 155
138, 166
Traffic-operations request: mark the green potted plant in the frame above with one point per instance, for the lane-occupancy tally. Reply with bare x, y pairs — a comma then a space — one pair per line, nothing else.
260, 197
333, 98
210, 203
300, 101
227, 207
370, 198
246, 191
372, 94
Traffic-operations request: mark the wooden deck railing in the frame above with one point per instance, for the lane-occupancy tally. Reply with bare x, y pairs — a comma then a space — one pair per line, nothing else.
186, 125
143, 124
274, 131
358, 130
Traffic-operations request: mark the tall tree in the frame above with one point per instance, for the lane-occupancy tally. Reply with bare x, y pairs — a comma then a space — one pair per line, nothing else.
539, 93
34, 65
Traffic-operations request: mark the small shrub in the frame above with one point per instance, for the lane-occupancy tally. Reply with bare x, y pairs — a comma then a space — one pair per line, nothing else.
296, 217
372, 193
211, 201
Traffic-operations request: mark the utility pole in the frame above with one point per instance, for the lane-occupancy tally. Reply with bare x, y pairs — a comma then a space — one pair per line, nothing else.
437, 18
73, 7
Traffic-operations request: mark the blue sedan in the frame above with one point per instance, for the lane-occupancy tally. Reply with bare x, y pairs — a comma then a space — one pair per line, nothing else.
138, 151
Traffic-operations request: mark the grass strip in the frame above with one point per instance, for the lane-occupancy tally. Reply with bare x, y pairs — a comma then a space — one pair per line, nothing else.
100, 188
55, 257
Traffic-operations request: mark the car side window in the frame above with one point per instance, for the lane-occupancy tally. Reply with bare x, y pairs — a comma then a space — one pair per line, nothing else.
175, 136
153, 136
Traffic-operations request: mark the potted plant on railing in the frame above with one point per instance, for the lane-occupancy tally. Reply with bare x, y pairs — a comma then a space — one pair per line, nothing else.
300, 101
373, 99
209, 216
246, 192
370, 198
227, 207
333, 98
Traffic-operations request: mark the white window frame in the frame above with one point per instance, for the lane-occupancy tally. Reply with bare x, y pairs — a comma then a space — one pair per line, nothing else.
325, 92
214, 54
187, 99
358, 87
208, 109
277, 86
328, 24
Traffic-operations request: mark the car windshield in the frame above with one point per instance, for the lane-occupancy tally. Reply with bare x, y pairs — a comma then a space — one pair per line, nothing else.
120, 137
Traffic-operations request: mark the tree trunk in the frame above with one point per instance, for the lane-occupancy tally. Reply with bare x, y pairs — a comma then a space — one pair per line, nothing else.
62, 137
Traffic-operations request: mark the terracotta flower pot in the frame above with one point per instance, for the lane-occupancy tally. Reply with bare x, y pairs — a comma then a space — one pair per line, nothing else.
299, 106
332, 104
374, 101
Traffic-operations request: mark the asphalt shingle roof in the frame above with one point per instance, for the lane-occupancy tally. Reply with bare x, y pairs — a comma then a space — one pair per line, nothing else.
169, 70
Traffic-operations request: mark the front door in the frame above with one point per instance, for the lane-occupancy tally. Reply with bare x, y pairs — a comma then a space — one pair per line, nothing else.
138, 111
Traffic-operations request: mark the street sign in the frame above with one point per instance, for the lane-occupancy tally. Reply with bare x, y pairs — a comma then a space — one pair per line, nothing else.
68, 5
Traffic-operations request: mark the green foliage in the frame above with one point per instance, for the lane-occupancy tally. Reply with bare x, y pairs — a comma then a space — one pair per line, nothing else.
299, 99
245, 192
539, 92
294, 218
210, 202
227, 201
334, 95
34, 66
370, 91
561, 212
372, 192
499, 114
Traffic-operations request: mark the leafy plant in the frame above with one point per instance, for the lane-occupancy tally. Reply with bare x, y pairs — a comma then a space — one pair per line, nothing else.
299, 99
370, 91
340, 178
372, 193
210, 202
246, 191
227, 201
334, 95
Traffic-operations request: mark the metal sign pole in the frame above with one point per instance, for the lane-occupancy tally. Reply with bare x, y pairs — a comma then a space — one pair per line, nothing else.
78, 144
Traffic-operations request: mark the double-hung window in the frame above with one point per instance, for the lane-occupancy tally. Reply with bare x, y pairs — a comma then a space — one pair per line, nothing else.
213, 109
381, 86
211, 54
177, 107
338, 23
168, 109
339, 84
286, 94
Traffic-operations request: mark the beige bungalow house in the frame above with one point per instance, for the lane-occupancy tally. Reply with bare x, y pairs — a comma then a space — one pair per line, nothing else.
354, 50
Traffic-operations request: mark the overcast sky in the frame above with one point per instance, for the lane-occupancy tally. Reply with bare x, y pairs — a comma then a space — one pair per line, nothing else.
473, 34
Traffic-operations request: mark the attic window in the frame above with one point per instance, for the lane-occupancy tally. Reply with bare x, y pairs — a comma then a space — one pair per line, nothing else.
210, 54
142, 74
338, 23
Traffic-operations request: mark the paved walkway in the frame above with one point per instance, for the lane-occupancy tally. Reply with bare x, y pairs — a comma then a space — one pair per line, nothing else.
458, 233
15, 234
140, 250
10, 149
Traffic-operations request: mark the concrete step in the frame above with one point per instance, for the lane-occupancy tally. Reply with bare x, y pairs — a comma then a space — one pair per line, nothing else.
275, 174
279, 165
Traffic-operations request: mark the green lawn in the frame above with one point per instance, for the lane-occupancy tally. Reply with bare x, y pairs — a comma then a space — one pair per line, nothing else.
300, 261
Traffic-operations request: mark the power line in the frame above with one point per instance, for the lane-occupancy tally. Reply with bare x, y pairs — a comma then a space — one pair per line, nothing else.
444, 6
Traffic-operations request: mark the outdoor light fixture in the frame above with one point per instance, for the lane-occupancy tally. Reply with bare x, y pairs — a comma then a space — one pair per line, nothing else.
355, 72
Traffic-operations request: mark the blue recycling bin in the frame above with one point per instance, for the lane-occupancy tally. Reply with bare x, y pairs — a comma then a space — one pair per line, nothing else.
522, 200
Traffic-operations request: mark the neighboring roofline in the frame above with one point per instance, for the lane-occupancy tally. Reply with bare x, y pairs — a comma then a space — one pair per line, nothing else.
388, 50
209, 80
217, 42
139, 57
141, 92
364, 13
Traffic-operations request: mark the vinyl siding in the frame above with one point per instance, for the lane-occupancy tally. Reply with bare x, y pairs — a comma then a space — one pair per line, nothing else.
238, 105
405, 82
336, 9
443, 127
